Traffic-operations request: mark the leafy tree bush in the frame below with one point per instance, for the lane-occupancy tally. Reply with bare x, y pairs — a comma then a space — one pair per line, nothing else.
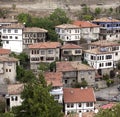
37, 101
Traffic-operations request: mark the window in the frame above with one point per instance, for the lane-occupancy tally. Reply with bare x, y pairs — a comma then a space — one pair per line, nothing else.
10, 37
50, 51
77, 51
42, 52
9, 30
70, 105
6, 70
82, 79
79, 105
90, 104
9, 70
65, 81
16, 98
16, 37
16, 31
4, 30
108, 56
7, 42
50, 58
56, 97
9, 63
116, 54
12, 98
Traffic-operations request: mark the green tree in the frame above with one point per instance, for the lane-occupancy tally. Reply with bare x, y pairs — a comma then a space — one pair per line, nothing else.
53, 66
24, 18
59, 17
37, 101
44, 66
23, 75
97, 11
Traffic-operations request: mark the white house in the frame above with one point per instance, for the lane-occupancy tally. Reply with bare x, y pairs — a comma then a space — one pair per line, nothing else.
13, 95
68, 33
8, 70
89, 31
33, 35
55, 79
108, 46
11, 37
100, 59
78, 100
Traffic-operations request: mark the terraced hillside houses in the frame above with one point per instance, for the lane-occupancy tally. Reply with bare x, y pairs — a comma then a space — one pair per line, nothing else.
110, 28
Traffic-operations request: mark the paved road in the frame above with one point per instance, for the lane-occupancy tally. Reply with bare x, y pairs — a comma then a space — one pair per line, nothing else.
108, 93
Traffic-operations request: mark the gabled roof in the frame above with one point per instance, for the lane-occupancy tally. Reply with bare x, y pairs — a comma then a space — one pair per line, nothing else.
67, 26
71, 46
54, 78
104, 43
85, 24
65, 66
45, 45
15, 89
14, 26
4, 51
6, 20
106, 19
7, 59
98, 51
72, 95
34, 29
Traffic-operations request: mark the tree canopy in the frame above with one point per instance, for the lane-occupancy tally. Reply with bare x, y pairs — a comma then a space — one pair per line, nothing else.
37, 101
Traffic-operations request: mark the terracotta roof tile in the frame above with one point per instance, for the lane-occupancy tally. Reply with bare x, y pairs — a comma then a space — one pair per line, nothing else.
106, 19
64, 66
4, 51
67, 26
34, 29
14, 26
45, 45
54, 77
9, 59
15, 88
85, 24
104, 43
97, 51
6, 20
72, 95
71, 46
72, 66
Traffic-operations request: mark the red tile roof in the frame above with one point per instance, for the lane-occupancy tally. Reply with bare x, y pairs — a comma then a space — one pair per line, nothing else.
106, 19
15, 88
71, 46
54, 78
85, 24
108, 106
34, 29
4, 51
14, 26
72, 95
64, 66
45, 45
67, 26
8, 59
104, 43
